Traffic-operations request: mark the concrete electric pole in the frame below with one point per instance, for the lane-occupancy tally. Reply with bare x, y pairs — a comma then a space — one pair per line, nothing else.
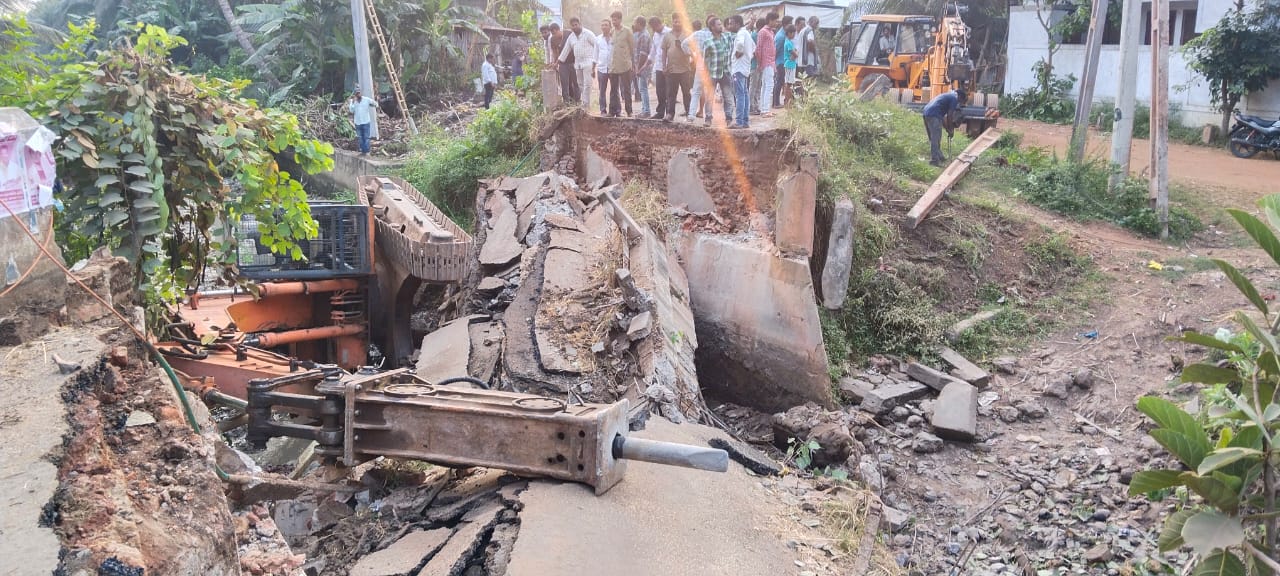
1084, 100
364, 68
1160, 112
1126, 94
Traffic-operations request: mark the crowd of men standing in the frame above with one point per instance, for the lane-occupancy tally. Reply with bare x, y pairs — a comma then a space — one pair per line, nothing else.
754, 65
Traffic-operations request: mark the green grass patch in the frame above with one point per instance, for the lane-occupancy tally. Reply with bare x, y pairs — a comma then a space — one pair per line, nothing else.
1052, 262
1079, 191
445, 167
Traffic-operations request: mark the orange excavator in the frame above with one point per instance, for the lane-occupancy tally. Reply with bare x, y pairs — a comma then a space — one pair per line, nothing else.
913, 58
347, 304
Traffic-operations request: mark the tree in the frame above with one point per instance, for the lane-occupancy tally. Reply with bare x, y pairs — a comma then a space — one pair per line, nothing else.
1237, 56
154, 160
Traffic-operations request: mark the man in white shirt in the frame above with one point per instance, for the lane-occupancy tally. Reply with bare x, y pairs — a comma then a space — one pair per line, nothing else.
694, 45
488, 77
604, 51
743, 50
658, 59
802, 35
580, 49
809, 47
362, 109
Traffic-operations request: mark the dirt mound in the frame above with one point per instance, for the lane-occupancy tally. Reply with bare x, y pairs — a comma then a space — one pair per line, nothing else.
138, 492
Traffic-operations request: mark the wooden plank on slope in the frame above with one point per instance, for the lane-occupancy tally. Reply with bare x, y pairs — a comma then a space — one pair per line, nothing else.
958, 168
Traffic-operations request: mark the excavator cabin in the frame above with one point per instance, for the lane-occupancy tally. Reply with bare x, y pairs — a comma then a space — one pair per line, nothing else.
912, 58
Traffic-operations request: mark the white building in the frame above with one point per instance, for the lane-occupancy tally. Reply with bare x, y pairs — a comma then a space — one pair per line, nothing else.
1188, 91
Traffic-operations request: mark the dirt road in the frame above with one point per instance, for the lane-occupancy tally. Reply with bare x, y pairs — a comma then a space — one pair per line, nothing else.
1198, 166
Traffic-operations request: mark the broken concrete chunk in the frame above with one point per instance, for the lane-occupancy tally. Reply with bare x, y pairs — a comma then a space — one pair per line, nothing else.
490, 285
893, 519
885, 398
964, 369
486, 348
1006, 365
955, 416
839, 262
403, 556
684, 184
569, 240
500, 245
139, 418
746, 455
562, 221
634, 296
446, 352
641, 326
452, 559
928, 376
954, 332
855, 390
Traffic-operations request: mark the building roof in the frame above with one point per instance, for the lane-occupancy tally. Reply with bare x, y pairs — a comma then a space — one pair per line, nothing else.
830, 15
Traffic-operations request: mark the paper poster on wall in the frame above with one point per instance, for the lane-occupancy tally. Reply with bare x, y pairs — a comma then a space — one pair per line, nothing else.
27, 170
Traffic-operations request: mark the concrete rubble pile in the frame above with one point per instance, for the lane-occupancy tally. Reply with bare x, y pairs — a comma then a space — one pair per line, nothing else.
401, 522
570, 304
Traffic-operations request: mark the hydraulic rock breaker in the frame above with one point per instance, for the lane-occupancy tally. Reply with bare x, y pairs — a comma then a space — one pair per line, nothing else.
357, 417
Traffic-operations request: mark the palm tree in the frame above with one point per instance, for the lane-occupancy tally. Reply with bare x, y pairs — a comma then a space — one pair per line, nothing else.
242, 37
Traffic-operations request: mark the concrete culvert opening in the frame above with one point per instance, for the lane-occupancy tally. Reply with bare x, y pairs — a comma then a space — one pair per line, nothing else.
743, 205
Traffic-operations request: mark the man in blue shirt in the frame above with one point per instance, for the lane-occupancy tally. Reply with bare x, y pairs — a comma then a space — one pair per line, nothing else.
362, 108
934, 113
778, 38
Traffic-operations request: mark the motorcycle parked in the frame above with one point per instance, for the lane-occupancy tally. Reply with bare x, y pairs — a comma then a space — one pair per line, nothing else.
1254, 134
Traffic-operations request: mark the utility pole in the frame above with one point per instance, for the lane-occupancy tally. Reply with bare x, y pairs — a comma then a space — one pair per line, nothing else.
1122, 128
1084, 100
364, 68
1160, 112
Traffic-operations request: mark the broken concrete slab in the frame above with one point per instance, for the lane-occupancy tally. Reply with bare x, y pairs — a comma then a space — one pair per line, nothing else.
684, 183
963, 369
491, 285
955, 415
404, 556
569, 240
885, 398
933, 378
294, 519
746, 455
486, 349
797, 202
654, 522
757, 323
282, 451
839, 262
855, 390
954, 332
565, 271
562, 221
446, 352
500, 245
452, 559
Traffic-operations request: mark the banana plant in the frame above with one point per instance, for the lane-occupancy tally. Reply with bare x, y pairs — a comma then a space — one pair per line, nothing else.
1229, 458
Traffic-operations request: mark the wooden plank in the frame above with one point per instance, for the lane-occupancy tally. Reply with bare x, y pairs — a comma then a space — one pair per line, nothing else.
958, 168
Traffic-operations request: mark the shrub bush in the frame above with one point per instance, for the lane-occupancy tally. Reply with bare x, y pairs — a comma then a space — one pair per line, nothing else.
445, 168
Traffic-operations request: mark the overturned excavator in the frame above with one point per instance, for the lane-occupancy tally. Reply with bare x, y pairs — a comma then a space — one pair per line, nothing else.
321, 349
